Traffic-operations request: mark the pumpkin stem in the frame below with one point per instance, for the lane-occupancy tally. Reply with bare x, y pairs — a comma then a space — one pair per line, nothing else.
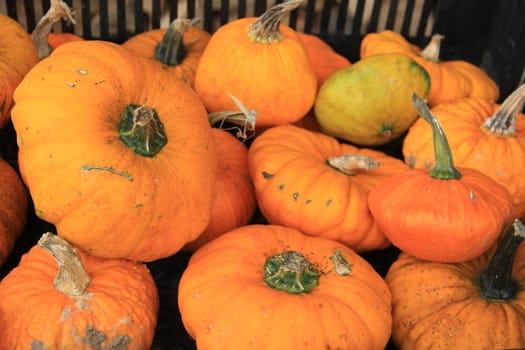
496, 281
266, 28
290, 272
503, 122
431, 51
141, 130
58, 10
171, 50
244, 119
443, 168
72, 278
349, 164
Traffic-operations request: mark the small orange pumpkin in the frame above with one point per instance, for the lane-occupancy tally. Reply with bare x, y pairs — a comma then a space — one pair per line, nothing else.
13, 209
477, 304
234, 203
126, 150
450, 79
17, 56
177, 49
261, 61
61, 298
325, 60
482, 135
319, 186
299, 292
447, 214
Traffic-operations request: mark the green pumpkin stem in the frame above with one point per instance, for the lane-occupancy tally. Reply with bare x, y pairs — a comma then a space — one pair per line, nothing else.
443, 168
431, 51
350, 164
266, 28
58, 10
496, 282
171, 50
503, 122
72, 278
141, 130
290, 272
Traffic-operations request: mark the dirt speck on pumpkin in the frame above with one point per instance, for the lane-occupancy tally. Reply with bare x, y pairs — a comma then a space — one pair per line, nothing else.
38, 345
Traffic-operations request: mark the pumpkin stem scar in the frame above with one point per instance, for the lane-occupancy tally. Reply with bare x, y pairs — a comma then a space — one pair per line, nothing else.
105, 168
342, 266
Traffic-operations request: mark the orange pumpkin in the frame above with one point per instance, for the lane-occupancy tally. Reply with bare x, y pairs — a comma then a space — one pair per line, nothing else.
477, 304
319, 186
325, 60
299, 292
177, 49
126, 150
61, 298
263, 63
234, 203
13, 209
447, 214
482, 135
17, 56
450, 79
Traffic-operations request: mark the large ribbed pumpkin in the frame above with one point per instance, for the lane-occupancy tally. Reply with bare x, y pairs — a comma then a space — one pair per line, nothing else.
111, 143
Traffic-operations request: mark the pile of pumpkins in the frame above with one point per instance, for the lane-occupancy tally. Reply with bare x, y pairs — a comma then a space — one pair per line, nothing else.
173, 140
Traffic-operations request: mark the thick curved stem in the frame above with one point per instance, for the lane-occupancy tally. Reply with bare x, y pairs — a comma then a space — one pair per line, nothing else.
72, 278
443, 168
266, 28
503, 122
496, 281
171, 49
58, 10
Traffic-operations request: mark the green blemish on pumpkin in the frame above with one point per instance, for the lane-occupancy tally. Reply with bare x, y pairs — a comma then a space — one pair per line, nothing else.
328, 202
386, 130
281, 187
38, 345
267, 175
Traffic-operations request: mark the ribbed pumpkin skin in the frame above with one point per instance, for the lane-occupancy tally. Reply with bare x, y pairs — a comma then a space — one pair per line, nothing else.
501, 158
17, 56
438, 306
120, 303
195, 40
276, 79
295, 187
225, 304
66, 118
234, 203
13, 209
450, 79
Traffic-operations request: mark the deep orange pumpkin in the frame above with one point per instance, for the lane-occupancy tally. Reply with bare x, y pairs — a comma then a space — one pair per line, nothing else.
477, 304
126, 150
61, 298
450, 79
268, 287
234, 203
17, 56
482, 135
447, 214
13, 209
263, 63
177, 49
313, 183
